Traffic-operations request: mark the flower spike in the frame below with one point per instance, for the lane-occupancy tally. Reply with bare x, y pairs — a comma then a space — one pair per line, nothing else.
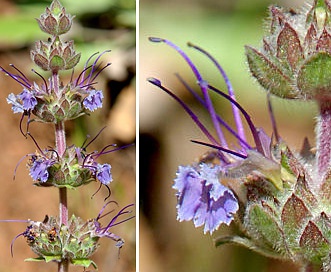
63, 240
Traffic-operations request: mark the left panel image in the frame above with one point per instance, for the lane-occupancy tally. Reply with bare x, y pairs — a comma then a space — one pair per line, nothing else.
68, 131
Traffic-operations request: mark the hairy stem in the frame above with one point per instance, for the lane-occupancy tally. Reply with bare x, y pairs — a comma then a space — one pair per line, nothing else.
324, 139
60, 141
310, 268
63, 266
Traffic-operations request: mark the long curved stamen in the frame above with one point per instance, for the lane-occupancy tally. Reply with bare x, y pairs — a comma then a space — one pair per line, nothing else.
21, 122
90, 78
198, 76
109, 191
43, 79
100, 71
103, 151
82, 75
95, 62
273, 119
246, 115
194, 117
221, 148
35, 142
12, 243
202, 102
96, 190
87, 80
19, 78
88, 85
121, 212
19, 162
93, 139
103, 208
23, 76
235, 110
219, 118
55, 152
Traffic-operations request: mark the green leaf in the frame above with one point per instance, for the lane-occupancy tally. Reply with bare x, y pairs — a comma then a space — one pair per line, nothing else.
265, 228
52, 258
245, 242
84, 262
39, 259
71, 63
57, 63
314, 78
41, 61
46, 259
269, 75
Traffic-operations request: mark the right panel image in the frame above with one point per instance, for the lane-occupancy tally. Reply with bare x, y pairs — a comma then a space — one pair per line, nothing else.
235, 135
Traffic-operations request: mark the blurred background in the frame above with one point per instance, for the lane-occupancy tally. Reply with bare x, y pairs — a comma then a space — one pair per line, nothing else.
222, 28
98, 25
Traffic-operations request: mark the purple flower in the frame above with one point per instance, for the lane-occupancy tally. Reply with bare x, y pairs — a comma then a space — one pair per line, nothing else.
202, 198
17, 107
94, 100
24, 101
39, 168
103, 173
106, 231
86, 79
28, 100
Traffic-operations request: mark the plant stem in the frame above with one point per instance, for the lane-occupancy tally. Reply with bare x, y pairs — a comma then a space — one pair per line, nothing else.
63, 266
324, 139
60, 138
60, 141
63, 207
310, 268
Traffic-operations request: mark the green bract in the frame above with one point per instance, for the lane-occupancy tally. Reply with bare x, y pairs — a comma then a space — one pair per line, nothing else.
290, 224
52, 242
295, 59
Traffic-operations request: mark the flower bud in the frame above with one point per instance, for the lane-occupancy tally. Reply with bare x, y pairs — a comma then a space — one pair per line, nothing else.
55, 55
55, 20
295, 60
